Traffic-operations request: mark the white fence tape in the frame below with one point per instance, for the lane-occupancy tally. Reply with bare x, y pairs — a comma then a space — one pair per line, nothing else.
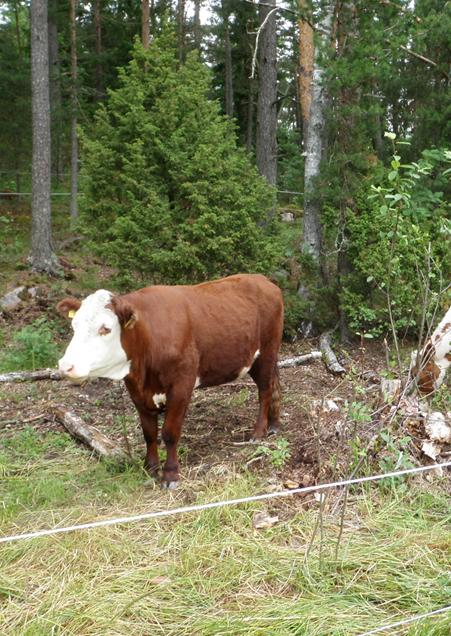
218, 504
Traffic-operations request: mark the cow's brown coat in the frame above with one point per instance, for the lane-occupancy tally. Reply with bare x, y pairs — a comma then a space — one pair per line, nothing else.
177, 336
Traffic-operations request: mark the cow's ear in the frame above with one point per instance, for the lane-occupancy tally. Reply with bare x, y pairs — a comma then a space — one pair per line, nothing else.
68, 307
124, 311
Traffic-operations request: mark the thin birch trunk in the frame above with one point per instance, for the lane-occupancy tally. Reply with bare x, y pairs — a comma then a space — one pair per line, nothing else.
315, 144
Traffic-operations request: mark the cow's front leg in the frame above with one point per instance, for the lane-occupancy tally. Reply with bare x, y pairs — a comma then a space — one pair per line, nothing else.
176, 406
149, 425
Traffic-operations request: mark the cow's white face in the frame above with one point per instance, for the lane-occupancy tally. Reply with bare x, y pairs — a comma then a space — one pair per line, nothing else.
95, 350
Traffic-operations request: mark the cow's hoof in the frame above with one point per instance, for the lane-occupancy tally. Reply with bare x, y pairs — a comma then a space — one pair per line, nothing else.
272, 430
170, 485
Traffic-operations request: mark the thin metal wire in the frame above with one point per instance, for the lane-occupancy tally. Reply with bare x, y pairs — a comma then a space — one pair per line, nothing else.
217, 504
407, 621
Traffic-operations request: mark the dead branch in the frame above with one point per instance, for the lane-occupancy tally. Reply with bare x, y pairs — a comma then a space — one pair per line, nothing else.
329, 357
260, 29
30, 376
424, 59
97, 441
298, 360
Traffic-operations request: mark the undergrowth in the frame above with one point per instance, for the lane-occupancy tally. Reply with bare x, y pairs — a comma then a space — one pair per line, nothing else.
209, 573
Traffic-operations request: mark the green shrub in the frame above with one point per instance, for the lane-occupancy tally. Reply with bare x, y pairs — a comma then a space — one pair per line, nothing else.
33, 347
398, 235
169, 195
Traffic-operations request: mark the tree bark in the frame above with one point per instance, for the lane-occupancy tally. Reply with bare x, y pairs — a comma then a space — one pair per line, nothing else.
228, 66
250, 116
181, 29
197, 25
145, 22
43, 258
306, 57
315, 144
97, 441
55, 90
97, 7
266, 137
74, 109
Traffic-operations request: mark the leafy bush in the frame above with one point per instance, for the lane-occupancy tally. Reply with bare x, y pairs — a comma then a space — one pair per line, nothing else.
398, 235
33, 347
169, 195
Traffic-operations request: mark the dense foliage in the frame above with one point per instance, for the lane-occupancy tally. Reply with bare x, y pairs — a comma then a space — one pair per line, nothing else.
169, 195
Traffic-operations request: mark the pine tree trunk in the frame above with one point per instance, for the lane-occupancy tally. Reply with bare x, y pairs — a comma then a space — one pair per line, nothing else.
97, 6
306, 57
74, 97
250, 116
266, 138
55, 90
181, 29
43, 258
145, 20
197, 25
228, 68
315, 145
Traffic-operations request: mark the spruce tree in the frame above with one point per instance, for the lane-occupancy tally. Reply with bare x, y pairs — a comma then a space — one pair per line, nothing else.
168, 192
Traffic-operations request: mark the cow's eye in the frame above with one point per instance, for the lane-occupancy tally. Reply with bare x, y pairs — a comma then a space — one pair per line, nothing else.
103, 331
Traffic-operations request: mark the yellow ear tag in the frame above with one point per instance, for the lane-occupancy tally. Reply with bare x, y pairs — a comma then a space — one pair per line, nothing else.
129, 322
71, 313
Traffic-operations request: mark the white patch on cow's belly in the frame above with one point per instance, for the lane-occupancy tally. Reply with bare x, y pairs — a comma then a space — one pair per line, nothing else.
245, 370
159, 399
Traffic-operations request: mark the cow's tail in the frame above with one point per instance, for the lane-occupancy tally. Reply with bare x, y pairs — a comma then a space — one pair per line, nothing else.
274, 408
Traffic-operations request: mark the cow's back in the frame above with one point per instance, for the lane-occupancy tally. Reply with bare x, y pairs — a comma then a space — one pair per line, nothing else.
220, 325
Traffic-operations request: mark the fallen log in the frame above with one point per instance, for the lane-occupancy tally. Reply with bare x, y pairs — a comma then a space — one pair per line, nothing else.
297, 360
97, 441
329, 357
31, 376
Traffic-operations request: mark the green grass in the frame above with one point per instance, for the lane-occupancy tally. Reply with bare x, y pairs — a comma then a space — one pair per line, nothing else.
209, 573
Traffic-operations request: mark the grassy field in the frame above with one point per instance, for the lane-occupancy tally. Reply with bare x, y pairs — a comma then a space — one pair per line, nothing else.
211, 572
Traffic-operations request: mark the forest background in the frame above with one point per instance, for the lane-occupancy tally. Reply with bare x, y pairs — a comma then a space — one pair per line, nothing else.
184, 131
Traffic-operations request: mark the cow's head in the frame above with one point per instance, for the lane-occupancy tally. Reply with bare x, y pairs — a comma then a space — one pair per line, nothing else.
95, 350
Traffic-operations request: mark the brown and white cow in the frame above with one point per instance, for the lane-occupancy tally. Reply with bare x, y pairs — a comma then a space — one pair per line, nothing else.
429, 368
165, 341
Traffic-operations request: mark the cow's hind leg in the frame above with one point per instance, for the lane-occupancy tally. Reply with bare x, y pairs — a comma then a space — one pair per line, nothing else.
264, 373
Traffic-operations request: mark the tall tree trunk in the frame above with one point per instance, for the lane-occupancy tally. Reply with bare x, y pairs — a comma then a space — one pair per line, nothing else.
19, 145
74, 97
315, 143
43, 258
97, 6
250, 115
228, 66
181, 29
145, 22
266, 138
56, 110
306, 57
197, 25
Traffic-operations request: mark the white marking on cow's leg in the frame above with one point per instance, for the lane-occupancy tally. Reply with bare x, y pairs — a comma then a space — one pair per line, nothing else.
256, 354
197, 383
159, 399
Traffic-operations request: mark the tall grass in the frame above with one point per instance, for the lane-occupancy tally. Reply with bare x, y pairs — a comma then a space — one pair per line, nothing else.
209, 573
